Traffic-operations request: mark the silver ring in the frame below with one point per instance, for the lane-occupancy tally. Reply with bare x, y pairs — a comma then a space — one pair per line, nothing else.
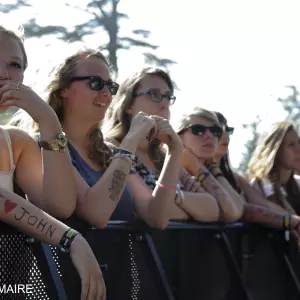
18, 83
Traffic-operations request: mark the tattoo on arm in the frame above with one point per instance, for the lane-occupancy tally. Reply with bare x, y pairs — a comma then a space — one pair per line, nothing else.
213, 187
262, 215
117, 185
29, 218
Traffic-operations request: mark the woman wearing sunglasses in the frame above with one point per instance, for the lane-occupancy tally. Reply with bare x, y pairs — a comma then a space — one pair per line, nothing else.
200, 132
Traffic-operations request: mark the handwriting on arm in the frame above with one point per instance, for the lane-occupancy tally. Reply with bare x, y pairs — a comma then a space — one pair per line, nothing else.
29, 218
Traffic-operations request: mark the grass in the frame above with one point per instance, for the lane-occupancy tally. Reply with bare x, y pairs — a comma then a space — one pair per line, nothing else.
4, 117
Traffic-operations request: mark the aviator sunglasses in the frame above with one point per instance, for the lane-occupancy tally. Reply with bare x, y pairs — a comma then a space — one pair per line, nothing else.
96, 83
199, 129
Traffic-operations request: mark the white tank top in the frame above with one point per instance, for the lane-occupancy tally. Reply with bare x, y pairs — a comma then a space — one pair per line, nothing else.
6, 178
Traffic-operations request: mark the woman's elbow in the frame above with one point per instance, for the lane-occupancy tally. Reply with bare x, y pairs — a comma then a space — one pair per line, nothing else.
58, 211
98, 221
209, 213
233, 214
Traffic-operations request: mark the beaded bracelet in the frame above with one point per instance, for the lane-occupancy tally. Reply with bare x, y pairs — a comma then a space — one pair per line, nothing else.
202, 176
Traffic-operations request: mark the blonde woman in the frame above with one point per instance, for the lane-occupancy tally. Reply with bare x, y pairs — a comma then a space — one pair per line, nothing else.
272, 165
200, 132
47, 180
257, 208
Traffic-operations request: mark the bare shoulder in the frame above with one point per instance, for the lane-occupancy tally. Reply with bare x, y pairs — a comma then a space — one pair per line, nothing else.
16, 132
19, 137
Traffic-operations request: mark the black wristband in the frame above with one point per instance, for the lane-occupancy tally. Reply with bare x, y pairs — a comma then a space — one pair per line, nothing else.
67, 239
218, 175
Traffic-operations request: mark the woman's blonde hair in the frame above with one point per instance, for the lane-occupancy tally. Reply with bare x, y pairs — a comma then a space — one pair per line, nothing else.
117, 121
262, 162
185, 119
17, 34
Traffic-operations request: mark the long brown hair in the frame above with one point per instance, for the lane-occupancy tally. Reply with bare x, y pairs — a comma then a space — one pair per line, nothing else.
225, 163
99, 152
117, 122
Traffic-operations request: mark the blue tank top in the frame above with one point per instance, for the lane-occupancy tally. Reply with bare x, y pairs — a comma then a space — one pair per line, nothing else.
124, 209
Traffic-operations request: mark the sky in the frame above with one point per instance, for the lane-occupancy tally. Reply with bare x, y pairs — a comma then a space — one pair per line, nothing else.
234, 56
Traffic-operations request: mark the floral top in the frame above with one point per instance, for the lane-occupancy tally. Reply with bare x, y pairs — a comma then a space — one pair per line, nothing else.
148, 177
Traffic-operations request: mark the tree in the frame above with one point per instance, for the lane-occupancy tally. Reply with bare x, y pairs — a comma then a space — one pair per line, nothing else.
103, 14
250, 145
291, 105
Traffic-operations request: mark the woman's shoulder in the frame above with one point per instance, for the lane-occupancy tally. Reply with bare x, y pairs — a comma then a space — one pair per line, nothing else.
20, 139
16, 132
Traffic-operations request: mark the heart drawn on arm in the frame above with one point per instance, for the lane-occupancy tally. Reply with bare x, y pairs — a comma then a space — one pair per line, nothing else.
9, 206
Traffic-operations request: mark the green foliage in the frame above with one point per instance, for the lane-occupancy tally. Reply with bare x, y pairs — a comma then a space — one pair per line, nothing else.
291, 105
250, 145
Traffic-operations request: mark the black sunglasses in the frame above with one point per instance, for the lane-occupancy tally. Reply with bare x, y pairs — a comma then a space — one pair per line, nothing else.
156, 96
198, 129
97, 83
229, 130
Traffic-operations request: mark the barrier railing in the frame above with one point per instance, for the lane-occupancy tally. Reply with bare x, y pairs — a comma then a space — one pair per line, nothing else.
144, 263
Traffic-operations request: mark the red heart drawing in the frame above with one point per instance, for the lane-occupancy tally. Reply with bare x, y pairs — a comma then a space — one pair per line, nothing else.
9, 206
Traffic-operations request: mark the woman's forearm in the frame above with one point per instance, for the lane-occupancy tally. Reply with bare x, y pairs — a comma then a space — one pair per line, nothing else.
229, 211
21, 214
202, 207
162, 200
99, 202
59, 188
263, 216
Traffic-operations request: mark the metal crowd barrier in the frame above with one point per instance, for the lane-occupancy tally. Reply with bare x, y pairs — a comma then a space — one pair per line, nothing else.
149, 264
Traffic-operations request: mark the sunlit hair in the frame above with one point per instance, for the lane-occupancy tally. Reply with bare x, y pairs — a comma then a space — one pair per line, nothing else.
17, 34
185, 120
117, 122
225, 165
99, 152
262, 164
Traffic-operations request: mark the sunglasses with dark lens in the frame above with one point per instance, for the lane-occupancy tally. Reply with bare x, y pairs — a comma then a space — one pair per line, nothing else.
198, 129
229, 130
96, 83
156, 96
